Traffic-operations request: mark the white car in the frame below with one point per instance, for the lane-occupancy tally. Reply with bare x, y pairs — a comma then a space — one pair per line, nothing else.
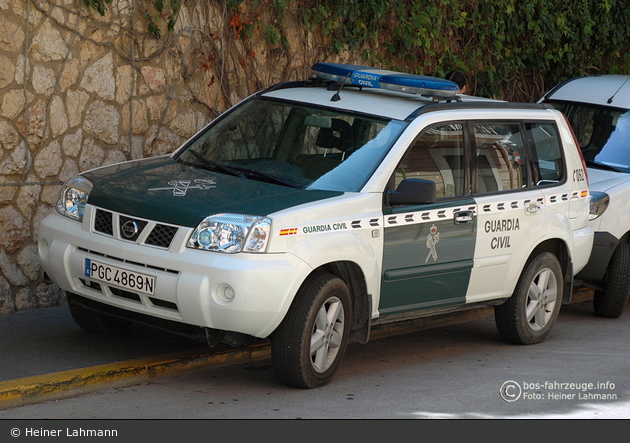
316, 209
598, 108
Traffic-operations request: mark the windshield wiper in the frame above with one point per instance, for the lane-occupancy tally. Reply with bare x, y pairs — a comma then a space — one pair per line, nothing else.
242, 172
215, 165
270, 177
599, 165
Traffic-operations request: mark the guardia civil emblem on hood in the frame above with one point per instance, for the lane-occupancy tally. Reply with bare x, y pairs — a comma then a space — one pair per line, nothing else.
180, 187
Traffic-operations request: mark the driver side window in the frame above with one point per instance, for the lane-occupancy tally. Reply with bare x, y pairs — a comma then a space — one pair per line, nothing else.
437, 155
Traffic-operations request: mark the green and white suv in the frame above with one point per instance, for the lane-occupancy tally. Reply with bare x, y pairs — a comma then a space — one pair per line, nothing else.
598, 108
316, 209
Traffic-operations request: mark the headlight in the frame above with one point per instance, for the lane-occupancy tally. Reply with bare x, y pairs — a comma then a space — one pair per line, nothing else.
73, 197
232, 233
599, 203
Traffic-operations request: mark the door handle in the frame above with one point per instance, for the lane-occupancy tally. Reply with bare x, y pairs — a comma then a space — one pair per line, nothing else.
463, 217
532, 208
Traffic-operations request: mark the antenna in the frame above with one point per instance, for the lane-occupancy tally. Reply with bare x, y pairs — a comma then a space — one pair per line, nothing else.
610, 100
337, 97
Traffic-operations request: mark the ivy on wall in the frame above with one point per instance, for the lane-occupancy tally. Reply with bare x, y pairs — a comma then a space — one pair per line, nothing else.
99, 5
159, 13
509, 49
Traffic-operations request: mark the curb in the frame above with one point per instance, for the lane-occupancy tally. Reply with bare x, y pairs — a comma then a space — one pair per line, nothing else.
74, 382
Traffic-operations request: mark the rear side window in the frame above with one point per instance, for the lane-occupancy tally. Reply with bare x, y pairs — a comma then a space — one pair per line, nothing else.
500, 156
547, 157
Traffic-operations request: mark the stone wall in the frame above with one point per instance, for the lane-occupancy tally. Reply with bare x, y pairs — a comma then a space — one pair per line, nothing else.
75, 94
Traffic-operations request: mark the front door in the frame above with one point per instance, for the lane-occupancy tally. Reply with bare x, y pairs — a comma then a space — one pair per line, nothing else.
429, 249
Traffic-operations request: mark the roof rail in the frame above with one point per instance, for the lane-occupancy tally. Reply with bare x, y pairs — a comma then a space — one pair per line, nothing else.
491, 104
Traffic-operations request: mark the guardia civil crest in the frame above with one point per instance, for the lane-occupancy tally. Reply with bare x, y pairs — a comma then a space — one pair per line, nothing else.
432, 239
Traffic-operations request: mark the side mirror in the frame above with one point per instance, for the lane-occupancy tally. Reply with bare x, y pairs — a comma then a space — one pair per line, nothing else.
412, 191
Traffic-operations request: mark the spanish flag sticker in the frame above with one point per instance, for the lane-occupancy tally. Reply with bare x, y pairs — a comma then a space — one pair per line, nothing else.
288, 231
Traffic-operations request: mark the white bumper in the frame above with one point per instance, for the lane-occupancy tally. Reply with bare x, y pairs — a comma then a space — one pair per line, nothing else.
582, 247
186, 280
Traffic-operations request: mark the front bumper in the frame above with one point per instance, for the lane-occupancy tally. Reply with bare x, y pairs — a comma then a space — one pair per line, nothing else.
187, 282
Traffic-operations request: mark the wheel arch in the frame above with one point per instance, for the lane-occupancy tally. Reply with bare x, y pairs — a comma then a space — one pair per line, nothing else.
352, 274
354, 277
560, 249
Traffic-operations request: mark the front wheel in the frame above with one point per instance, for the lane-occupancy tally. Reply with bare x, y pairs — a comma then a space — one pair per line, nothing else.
612, 300
528, 316
309, 343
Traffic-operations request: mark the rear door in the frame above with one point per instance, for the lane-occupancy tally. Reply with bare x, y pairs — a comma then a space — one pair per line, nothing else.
510, 205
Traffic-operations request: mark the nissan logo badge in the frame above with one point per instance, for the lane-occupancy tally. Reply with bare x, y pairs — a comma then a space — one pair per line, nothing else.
129, 229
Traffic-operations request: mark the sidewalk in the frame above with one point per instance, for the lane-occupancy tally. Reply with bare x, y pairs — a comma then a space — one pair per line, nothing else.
45, 356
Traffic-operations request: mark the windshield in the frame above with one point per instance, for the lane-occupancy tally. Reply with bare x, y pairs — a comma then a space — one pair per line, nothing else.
294, 145
603, 134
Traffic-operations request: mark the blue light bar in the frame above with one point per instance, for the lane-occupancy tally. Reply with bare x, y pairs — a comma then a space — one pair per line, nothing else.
384, 79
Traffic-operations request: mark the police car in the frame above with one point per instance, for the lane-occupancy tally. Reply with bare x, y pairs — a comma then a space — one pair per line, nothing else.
316, 209
598, 108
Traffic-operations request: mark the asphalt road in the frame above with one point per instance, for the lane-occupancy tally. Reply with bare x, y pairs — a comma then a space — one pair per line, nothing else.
464, 371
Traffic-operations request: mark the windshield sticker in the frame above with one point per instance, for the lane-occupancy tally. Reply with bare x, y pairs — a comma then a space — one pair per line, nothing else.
432, 240
181, 187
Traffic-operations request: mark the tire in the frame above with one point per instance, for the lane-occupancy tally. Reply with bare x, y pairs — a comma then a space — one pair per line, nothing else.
529, 314
95, 321
612, 300
309, 343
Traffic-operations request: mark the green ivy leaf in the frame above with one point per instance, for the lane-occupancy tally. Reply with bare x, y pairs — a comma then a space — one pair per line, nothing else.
155, 30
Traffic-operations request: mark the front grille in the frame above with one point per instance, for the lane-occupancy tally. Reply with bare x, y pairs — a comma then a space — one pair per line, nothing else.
131, 229
129, 295
161, 236
125, 294
103, 222
163, 303
91, 284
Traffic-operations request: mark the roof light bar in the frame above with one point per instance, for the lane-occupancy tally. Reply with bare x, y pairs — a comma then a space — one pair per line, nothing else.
384, 79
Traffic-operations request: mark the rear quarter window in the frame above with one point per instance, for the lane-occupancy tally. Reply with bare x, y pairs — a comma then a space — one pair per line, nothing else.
547, 156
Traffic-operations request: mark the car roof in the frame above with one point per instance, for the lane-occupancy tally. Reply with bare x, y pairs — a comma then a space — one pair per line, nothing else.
607, 90
376, 102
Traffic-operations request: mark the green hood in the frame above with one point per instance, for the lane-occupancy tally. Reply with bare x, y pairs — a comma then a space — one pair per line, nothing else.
163, 190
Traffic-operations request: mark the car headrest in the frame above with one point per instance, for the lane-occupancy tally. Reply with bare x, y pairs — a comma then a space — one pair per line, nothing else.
338, 136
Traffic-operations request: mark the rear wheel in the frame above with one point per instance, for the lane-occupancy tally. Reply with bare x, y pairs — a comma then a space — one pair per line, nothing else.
528, 316
310, 342
612, 300
94, 321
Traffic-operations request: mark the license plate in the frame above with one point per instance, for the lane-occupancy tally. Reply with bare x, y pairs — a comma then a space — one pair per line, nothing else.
120, 277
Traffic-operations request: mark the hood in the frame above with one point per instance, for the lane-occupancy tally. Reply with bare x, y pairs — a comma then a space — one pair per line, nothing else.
602, 180
163, 190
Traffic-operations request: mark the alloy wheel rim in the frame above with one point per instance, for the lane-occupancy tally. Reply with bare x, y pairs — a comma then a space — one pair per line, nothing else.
541, 299
327, 334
